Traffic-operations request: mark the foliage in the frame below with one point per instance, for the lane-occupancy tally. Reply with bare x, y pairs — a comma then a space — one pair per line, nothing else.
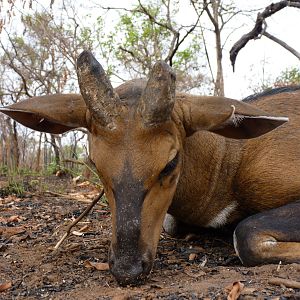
288, 77
52, 168
39, 61
19, 183
148, 33
14, 187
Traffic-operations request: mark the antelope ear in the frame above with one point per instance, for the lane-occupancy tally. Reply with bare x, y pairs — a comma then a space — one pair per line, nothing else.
227, 117
54, 113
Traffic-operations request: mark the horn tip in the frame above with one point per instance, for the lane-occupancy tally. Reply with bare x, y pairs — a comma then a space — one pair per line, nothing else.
87, 58
163, 68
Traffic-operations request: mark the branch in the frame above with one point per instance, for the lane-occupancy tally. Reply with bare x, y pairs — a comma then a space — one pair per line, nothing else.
117, 8
204, 41
131, 53
281, 43
212, 19
179, 42
258, 28
153, 19
75, 161
12, 66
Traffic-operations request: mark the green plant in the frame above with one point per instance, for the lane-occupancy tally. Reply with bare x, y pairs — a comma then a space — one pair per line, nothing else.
13, 188
3, 170
288, 77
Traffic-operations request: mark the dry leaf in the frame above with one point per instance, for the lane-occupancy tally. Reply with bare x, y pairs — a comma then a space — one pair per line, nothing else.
7, 232
85, 183
14, 219
234, 290
77, 233
192, 256
98, 266
76, 179
5, 286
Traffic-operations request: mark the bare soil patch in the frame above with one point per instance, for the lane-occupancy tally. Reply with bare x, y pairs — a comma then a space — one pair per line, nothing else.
194, 267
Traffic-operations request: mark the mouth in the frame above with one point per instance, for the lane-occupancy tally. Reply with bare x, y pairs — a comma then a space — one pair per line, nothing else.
131, 281
130, 270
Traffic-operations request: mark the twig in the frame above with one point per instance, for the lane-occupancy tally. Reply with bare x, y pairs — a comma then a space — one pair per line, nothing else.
56, 194
84, 213
62, 196
75, 161
286, 282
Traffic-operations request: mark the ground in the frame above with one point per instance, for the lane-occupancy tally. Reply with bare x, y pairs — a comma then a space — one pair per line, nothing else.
201, 266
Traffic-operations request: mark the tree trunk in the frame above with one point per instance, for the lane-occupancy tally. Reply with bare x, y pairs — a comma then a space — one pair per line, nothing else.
38, 156
3, 142
13, 147
87, 173
219, 83
45, 151
56, 152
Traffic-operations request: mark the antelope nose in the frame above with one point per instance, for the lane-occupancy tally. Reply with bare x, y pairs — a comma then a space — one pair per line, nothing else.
130, 271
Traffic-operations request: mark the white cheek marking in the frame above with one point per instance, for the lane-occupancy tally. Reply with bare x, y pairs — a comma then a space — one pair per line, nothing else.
221, 218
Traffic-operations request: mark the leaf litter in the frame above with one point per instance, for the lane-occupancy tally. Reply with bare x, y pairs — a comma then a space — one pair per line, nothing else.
196, 267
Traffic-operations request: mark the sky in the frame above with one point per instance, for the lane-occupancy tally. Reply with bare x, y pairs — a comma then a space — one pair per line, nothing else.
261, 60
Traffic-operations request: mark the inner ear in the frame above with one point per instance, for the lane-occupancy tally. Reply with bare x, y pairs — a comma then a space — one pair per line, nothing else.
239, 126
37, 122
227, 117
55, 114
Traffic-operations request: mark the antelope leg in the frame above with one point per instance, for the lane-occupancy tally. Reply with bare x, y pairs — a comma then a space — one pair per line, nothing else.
270, 236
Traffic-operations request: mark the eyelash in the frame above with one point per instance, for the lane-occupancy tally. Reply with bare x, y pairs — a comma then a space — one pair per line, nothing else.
169, 168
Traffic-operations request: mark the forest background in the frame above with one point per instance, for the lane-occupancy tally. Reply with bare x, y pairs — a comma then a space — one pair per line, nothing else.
41, 40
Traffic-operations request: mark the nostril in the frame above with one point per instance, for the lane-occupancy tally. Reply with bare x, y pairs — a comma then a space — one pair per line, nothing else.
130, 271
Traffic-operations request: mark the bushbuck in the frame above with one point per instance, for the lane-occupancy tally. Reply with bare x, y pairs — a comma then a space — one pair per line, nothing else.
207, 161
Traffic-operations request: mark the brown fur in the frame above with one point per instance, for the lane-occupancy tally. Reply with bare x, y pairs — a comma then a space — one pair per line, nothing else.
213, 172
247, 171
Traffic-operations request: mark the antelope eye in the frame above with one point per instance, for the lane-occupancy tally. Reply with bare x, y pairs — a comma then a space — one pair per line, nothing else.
170, 167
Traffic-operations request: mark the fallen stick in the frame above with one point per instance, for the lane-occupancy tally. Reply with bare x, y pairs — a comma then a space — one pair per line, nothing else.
286, 282
84, 213
56, 194
65, 196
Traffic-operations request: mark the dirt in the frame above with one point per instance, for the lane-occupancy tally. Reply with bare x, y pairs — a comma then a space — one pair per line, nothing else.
199, 266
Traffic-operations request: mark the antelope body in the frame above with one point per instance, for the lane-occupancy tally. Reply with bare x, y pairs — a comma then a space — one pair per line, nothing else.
208, 161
